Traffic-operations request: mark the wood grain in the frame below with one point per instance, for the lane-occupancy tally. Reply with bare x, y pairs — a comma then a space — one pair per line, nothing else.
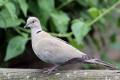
36, 74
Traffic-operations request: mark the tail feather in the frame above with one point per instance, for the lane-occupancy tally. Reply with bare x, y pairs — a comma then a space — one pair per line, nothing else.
96, 61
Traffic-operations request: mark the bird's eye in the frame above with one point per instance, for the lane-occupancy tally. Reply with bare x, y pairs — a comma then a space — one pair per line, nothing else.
33, 21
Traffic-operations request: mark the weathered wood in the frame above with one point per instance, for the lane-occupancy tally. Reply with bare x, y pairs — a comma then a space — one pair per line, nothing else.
35, 74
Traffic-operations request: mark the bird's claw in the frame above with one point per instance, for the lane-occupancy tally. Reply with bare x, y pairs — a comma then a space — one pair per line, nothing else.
49, 71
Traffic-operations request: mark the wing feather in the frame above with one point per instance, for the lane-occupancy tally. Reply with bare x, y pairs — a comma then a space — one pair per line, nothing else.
55, 50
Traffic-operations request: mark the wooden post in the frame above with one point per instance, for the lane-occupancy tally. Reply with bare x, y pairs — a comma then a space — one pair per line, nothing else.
35, 74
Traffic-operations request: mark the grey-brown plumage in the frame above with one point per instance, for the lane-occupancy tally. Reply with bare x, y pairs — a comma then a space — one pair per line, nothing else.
54, 50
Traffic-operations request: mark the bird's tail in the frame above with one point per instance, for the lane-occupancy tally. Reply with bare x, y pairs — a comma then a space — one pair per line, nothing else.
96, 61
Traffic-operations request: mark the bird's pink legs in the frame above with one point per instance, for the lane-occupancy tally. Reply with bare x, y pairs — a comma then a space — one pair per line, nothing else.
50, 70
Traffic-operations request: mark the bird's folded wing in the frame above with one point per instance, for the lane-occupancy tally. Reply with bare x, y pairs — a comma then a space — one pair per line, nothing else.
57, 49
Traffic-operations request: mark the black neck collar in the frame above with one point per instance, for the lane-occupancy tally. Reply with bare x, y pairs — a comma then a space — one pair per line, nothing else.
38, 32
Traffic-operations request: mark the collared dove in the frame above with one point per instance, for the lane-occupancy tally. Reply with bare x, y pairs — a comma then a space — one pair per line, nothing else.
54, 50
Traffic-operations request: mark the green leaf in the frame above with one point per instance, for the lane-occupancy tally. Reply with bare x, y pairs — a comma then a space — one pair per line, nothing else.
11, 9
82, 2
75, 44
15, 47
1, 2
92, 2
23, 6
88, 2
45, 9
7, 21
94, 12
34, 9
8, 16
60, 20
80, 30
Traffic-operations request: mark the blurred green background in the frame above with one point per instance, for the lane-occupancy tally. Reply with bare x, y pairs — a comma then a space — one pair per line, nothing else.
92, 26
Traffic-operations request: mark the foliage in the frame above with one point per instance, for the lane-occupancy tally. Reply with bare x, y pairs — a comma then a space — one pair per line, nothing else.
80, 29
77, 21
15, 47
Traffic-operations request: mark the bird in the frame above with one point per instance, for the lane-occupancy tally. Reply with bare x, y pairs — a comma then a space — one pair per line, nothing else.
54, 50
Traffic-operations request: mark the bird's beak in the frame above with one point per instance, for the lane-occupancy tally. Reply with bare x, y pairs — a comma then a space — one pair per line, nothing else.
26, 26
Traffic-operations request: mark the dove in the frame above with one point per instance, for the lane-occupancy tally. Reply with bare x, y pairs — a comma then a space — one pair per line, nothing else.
54, 50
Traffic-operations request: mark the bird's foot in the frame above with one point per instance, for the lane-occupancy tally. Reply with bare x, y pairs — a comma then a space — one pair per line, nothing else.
50, 70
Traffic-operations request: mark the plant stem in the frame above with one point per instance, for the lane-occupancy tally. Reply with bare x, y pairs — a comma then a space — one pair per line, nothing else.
104, 13
22, 29
61, 35
18, 31
64, 4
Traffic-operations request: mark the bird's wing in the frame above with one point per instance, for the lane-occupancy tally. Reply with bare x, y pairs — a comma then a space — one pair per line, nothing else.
57, 50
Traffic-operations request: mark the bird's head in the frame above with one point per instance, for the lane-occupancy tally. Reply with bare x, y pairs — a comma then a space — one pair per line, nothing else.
32, 22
